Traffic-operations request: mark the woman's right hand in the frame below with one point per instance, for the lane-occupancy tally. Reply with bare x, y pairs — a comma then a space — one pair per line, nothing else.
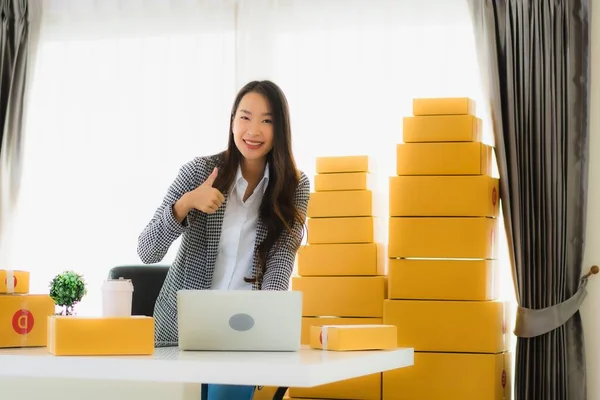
204, 198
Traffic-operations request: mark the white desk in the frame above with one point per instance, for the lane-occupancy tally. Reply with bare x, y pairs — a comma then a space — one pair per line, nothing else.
306, 368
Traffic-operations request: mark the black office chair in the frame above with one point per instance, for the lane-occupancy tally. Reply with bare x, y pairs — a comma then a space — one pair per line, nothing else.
147, 281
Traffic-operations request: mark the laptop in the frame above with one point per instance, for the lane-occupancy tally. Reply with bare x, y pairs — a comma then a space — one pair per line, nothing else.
239, 320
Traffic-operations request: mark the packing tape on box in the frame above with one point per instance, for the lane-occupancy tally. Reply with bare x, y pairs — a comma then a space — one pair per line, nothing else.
324, 337
10, 281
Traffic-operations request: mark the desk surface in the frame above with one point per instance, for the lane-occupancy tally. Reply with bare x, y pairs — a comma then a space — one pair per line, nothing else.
305, 368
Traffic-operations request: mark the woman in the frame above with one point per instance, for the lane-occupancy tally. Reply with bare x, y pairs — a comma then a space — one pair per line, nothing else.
241, 214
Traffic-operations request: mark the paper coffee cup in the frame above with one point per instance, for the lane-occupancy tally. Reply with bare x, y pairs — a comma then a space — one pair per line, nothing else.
117, 295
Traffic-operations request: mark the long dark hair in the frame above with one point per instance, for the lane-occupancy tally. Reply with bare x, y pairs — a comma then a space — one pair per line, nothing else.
277, 210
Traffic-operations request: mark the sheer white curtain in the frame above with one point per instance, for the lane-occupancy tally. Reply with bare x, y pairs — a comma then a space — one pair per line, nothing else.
125, 91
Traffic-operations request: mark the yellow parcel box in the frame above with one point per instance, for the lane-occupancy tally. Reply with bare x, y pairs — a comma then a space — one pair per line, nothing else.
337, 164
354, 337
342, 230
443, 279
14, 281
444, 128
468, 158
366, 387
444, 106
451, 376
452, 326
24, 319
100, 336
348, 296
348, 203
343, 181
341, 259
444, 196
308, 322
443, 237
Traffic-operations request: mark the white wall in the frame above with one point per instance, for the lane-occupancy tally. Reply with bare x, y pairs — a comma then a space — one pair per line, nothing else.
590, 315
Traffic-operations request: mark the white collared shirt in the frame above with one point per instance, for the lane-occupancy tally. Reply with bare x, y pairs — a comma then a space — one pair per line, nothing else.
238, 235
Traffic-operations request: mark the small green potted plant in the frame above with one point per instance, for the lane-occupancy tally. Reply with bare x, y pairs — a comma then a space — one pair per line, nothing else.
67, 289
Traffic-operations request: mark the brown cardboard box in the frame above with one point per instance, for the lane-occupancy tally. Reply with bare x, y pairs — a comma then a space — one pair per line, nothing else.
308, 322
341, 259
444, 237
366, 387
450, 376
448, 326
349, 296
338, 164
443, 279
443, 128
20, 281
444, 196
348, 203
466, 158
24, 319
354, 337
103, 336
343, 181
342, 230
444, 106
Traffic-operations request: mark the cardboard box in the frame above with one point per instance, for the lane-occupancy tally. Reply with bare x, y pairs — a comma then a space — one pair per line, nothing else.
443, 128
471, 280
451, 376
342, 230
354, 337
348, 203
14, 281
366, 387
267, 393
444, 106
100, 336
337, 164
341, 259
448, 326
444, 237
343, 181
24, 319
308, 322
467, 158
444, 196
341, 296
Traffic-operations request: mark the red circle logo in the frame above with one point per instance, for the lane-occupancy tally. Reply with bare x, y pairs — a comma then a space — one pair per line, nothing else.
22, 322
14, 281
494, 196
503, 378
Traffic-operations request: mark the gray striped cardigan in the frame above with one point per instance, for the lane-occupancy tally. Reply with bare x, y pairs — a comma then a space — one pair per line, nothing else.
194, 263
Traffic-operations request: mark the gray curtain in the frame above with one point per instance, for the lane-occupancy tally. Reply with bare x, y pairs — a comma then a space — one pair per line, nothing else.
535, 62
14, 37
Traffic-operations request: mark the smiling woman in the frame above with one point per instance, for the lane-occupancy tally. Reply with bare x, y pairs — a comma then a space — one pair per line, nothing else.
240, 213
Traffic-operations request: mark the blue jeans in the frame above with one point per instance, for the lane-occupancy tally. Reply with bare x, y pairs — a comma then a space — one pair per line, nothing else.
229, 392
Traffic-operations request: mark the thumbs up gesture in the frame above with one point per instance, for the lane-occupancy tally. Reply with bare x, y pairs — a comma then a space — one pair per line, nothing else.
205, 197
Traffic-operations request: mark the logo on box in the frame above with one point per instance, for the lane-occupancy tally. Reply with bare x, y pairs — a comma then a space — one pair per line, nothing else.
14, 280
22, 322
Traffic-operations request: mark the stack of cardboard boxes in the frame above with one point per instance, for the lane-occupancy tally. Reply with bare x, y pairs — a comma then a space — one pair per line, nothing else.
443, 278
341, 269
23, 316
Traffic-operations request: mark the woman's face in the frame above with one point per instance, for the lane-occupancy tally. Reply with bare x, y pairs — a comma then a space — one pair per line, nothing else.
253, 127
